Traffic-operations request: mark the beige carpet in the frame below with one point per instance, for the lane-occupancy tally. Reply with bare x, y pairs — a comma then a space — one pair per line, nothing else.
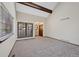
44, 47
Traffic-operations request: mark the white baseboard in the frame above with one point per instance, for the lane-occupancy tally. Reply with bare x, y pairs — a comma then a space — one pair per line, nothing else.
62, 40
25, 38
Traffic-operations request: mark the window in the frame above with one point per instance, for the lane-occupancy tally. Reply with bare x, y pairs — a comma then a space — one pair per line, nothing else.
6, 22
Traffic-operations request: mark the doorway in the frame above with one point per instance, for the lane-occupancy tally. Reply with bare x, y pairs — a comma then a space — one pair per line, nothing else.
39, 29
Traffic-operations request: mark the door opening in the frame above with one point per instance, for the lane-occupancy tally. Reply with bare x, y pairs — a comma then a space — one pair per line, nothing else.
39, 29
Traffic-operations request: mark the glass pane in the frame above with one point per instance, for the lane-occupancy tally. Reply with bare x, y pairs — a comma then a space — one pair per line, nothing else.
29, 30
0, 23
21, 29
6, 23
0, 29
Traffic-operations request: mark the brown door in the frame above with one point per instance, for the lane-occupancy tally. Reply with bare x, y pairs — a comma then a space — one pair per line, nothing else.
40, 30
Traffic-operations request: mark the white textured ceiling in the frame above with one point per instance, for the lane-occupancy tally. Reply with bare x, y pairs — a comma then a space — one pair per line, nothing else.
49, 5
33, 11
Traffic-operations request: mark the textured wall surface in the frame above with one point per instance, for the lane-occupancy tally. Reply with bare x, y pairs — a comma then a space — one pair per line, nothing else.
63, 23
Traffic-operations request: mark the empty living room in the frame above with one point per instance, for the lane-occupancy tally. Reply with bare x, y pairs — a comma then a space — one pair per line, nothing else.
39, 29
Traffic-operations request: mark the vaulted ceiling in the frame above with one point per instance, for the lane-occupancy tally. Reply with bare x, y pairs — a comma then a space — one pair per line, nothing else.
49, 5
34, 11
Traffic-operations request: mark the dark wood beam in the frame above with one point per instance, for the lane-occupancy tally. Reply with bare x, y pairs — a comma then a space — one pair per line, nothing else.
36, 6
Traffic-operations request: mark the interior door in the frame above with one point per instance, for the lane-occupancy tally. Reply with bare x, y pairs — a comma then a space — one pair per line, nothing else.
40, 30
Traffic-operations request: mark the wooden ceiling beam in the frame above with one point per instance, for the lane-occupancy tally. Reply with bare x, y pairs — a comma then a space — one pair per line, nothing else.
33, 5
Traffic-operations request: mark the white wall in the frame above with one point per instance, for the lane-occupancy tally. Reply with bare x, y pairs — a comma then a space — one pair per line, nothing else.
24, 17
6, 46
68, 29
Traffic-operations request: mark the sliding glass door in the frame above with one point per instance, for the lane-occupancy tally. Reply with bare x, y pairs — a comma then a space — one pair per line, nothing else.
29, 29
25, 30
21, 29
